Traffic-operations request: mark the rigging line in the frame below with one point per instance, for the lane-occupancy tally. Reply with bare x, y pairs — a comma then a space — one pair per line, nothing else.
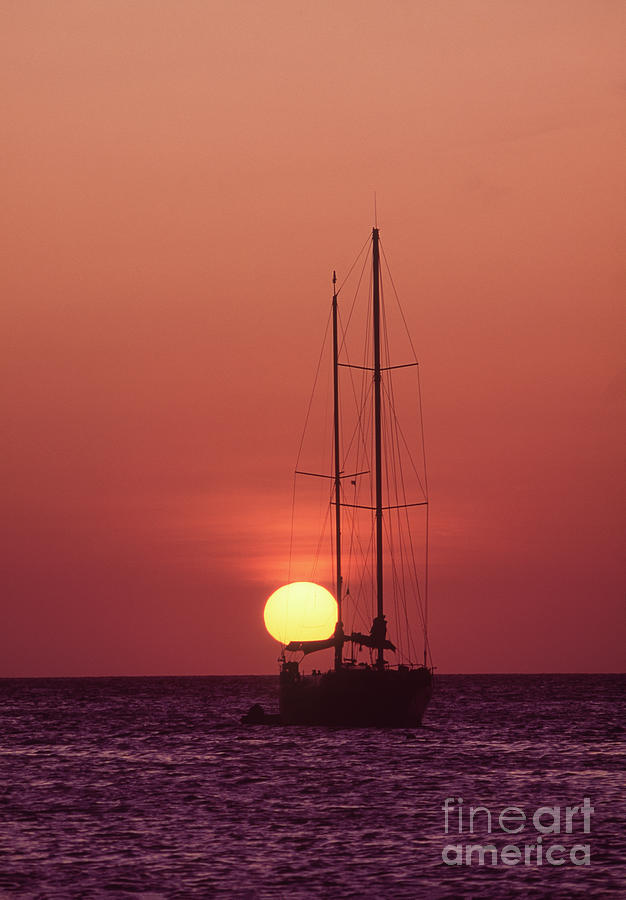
420, 605
362, 408
304, 430
415, 575
426, 552
404, 570
355, 534
408, 333
354, 299
368, 353
344, 329
359, 406
357, 439
388, 444
397, 584
355, 606
414, 563
367, 386
351, 515
323, 504
394, 427
394, 439
356, 432
333, 539
408, 450
317, 372
364, 570
306, 422
390, 544
405, 443
426, 589
320, 541
419, 400
391, 475
398, 517
391, 403
352, 525
418, 598
293, 512
397, 467
419, 390
368, 241
409, 532
367, 572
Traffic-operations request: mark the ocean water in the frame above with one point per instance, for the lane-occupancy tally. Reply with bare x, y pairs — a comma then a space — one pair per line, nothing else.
150, 787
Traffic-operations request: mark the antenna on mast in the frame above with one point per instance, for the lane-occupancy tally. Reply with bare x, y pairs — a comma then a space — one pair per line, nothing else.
375, 212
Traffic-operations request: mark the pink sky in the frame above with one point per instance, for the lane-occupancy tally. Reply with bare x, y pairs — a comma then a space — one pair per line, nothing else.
180, 181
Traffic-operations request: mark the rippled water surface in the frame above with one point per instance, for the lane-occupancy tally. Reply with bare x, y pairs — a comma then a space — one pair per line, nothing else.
150, 787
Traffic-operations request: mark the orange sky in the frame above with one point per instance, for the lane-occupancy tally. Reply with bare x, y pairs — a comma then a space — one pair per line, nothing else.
179, 181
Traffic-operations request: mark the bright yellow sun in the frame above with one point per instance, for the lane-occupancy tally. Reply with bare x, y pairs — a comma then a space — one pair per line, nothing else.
300, 611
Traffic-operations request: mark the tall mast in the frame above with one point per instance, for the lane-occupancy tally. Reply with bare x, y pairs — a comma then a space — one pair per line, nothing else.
377, 437
339, 631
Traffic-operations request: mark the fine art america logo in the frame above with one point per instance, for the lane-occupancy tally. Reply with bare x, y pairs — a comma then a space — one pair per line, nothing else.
539, 845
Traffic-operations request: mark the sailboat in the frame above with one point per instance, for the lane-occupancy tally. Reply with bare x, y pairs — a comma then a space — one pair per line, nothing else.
379, 691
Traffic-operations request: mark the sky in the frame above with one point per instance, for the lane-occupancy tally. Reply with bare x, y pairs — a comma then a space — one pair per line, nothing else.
179, 181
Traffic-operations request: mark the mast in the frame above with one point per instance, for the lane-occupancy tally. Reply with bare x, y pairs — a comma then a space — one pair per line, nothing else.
339, 629
380, 662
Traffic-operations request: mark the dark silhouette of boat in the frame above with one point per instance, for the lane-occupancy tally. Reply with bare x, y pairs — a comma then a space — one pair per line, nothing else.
355, 696
374, 693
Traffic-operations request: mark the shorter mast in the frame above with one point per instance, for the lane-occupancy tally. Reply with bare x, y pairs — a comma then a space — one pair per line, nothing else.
339, 628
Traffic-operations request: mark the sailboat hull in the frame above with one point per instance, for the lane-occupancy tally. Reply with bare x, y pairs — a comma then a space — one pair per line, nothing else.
358, 697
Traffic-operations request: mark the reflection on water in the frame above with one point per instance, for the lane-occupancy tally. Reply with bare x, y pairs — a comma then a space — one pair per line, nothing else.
112, 787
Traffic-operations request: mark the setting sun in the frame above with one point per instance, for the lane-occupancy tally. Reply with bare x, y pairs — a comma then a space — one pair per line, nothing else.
300, 611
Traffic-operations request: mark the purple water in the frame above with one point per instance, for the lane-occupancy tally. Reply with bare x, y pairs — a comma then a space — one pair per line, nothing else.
149, 787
